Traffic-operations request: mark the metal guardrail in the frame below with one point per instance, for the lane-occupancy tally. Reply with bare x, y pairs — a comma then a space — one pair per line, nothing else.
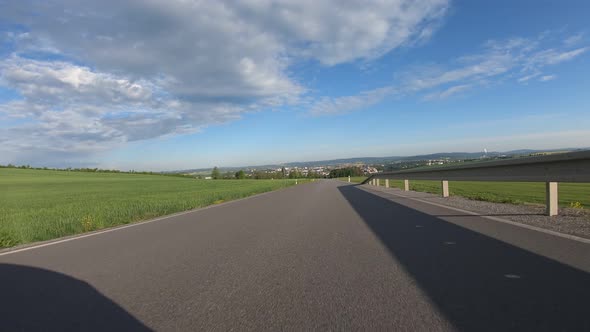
551, 169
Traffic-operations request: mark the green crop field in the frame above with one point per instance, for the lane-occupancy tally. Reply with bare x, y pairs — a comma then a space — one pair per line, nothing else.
37, 205
504, 192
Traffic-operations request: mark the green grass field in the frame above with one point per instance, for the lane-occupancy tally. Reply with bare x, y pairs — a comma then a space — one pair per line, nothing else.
37, 205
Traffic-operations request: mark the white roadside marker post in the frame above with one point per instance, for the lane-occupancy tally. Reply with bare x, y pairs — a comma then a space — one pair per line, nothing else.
445, 188
551, 198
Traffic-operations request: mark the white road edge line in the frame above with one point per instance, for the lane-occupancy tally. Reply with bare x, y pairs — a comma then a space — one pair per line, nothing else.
117, 228
502, 220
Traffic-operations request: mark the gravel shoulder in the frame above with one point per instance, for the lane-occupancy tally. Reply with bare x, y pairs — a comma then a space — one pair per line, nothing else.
569, 221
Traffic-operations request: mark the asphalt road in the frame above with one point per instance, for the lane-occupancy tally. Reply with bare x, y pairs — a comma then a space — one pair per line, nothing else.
319, 256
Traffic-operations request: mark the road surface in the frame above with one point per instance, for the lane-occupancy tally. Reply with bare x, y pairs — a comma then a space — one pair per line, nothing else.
319, 256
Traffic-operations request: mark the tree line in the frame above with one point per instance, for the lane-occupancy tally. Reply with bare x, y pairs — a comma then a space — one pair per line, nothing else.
284, 174
216, 174
345, 172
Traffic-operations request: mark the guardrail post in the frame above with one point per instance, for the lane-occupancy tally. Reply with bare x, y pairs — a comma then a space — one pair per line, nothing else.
386, 183
377, 182
551, 198
406, 185
445, 188
349, 178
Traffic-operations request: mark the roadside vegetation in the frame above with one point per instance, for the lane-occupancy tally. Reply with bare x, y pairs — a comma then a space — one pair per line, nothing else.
37, 205
576, 195
572, 195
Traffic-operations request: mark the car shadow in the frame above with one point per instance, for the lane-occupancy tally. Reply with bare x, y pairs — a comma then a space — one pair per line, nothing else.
479, 283
33, 299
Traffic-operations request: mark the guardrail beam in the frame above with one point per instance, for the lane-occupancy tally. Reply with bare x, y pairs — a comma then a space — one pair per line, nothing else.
551, 169
565, 167
552, 198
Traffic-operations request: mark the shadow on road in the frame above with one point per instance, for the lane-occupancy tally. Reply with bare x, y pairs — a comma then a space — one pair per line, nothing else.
489, 215
477, 282
33, 299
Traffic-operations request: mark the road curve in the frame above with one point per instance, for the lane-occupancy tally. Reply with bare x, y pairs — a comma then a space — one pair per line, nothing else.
319, 256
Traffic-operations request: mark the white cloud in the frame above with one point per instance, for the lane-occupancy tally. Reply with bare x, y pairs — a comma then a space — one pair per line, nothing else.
552, 57
529, 77
349, 103
73, 110
499, 61
118, 71
56, 81
574, 39
448, 92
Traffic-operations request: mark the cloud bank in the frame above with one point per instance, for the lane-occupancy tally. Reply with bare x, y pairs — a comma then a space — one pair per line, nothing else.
88, 76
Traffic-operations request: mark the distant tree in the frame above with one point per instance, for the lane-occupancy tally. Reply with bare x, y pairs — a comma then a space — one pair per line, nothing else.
240, 174
215, 174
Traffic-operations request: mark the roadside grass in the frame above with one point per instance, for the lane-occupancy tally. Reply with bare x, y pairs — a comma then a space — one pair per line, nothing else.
572, 195
575, 195
38, 205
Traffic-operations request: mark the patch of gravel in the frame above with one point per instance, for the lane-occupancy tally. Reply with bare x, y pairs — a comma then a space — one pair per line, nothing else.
569, 221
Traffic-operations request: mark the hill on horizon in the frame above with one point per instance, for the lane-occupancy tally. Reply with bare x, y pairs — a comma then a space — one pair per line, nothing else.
385, 160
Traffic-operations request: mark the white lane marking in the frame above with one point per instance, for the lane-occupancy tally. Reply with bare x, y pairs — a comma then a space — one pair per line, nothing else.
449, 243
512, 276
117, 228
506, 221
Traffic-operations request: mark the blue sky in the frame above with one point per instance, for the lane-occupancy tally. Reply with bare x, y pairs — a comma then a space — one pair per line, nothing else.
161, 85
